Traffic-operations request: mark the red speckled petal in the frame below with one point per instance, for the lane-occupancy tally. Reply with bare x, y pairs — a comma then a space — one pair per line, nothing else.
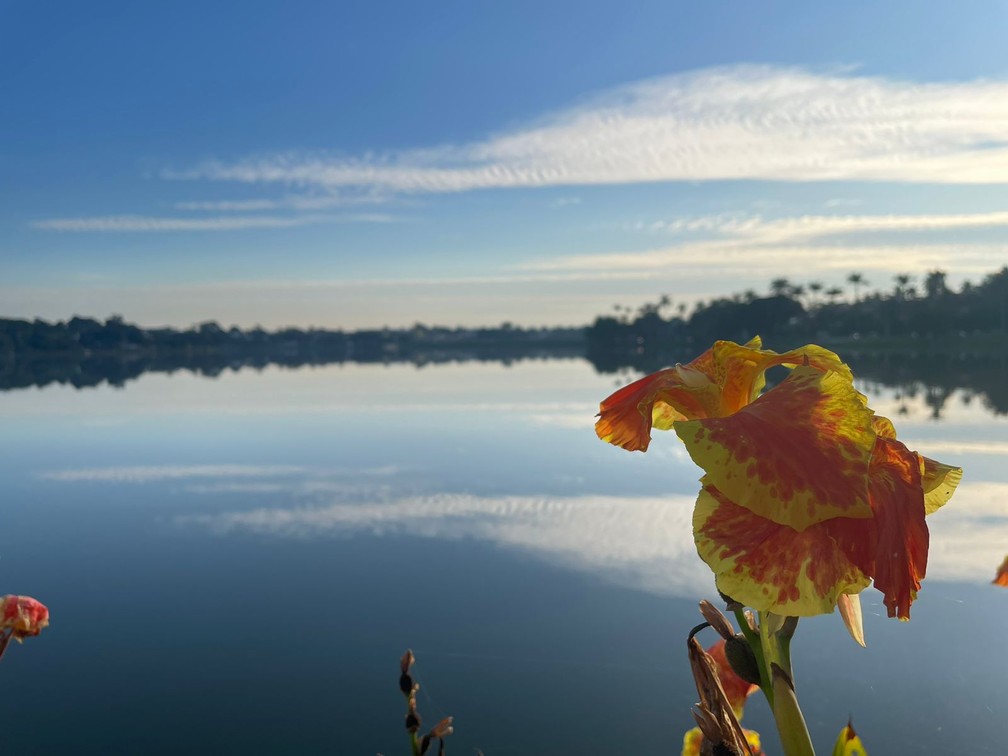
772, 567
797, 456
898, 501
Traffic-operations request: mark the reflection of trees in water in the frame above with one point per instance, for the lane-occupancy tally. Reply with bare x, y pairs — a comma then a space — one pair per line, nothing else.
933, 378
937, 378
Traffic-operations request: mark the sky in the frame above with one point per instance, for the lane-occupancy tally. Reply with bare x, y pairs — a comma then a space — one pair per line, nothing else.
367, 164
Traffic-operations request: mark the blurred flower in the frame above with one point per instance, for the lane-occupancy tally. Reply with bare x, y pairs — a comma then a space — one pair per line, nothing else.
807, 495
23, 616
848, 743
736, 689
693, 742
1002, 574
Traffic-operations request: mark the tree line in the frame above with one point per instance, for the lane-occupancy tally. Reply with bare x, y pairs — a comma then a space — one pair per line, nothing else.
907, 315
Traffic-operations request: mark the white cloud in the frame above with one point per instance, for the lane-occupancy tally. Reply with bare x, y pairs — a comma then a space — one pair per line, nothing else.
759, 245
292, 202
142, 223
740, 122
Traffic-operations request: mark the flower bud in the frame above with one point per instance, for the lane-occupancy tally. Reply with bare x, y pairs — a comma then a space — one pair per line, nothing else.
742, 659
716, 620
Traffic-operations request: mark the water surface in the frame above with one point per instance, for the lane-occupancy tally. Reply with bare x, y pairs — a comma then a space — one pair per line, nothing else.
236, 565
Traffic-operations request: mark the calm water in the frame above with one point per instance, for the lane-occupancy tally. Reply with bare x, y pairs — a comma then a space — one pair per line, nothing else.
235, 565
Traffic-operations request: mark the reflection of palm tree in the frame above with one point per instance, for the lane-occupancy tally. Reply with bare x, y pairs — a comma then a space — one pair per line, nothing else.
902, 282
814, 287
781, 287
857, 281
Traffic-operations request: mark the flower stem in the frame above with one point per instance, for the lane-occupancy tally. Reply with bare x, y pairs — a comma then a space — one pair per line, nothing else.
791, 728
766, 684
775, 643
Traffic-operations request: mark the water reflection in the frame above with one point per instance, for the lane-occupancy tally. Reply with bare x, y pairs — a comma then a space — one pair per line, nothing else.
640, 542
466, 510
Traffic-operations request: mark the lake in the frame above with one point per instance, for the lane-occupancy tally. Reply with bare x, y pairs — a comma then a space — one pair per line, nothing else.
236, 565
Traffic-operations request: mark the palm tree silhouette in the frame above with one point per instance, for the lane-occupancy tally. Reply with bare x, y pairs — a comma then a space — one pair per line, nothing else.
857, 281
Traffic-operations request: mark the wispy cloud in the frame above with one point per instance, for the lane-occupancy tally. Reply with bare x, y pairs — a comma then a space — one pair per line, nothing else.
289, 202
149, 473
803, 227
143, 223
755, 243
740, 122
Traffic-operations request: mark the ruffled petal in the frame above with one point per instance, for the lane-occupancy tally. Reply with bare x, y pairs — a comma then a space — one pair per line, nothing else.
883, 427
740, 371
722, 380
625, 418
939, 481
773, 567
797, 456
898, 501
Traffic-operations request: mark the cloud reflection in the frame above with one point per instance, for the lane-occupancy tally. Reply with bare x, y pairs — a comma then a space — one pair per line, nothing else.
150, 473
153, 473
643, 542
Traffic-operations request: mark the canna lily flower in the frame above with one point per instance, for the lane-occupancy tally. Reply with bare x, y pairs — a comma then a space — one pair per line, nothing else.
23, 616
807, 495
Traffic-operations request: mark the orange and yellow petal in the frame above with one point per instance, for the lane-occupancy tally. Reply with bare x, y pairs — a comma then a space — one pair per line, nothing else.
1001, 578
719, 382
883, 427
736, 689
773, 567
796, 456
897, 498
739, 371
625, 418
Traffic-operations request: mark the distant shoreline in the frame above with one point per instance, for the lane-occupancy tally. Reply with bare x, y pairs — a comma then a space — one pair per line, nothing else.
86, 353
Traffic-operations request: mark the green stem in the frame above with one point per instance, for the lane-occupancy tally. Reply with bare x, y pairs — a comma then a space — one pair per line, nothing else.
775, 642
791, 728
766, 684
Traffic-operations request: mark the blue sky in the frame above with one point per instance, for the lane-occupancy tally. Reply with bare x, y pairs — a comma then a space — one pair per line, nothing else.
367, 164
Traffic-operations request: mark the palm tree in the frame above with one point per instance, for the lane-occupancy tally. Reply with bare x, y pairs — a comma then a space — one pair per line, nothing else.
834, 293
857, 281
814, 287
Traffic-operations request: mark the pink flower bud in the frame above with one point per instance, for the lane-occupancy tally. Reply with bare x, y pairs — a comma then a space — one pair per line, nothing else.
23, 616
